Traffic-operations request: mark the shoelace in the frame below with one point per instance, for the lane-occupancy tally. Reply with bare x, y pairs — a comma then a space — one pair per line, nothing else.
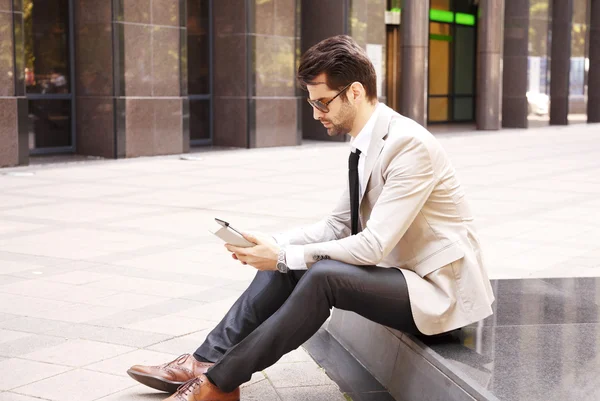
188, 387
180, 360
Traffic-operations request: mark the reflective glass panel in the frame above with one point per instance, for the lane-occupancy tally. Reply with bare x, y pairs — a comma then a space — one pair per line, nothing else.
438, 109
199, 119
49, 123
198, 47
46, 25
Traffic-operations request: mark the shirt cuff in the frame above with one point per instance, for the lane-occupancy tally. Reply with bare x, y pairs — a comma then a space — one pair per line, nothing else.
294, 257
281, 240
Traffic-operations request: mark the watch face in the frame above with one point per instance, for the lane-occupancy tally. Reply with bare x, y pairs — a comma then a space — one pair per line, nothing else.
281, 267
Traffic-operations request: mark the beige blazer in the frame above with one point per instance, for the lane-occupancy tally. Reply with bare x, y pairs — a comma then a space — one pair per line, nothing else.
415, 218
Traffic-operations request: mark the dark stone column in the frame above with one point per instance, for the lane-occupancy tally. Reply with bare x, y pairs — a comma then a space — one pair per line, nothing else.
95, 101
415, 44
320, 20
255, 99
593, 109
489, 64
149, 39
364, 20
514, 81
14, 141
560, 65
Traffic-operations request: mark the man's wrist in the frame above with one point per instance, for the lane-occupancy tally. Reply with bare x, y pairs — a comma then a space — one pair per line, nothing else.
281, 261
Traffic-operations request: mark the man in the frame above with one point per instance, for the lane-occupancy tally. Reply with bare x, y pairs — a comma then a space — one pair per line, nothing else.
399, 248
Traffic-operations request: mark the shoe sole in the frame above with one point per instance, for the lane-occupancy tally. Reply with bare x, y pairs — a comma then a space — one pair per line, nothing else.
155, 382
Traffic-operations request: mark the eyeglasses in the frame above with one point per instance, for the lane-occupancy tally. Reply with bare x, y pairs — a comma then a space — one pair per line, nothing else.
324, 106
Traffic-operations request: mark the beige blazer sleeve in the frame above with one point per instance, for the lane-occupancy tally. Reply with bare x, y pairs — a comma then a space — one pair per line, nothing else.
409, 179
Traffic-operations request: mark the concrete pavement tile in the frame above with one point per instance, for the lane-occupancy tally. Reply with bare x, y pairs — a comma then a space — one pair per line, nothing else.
54, 290
260, 391
111, 335
311, 393
70, 191
14, 266
181, 345
213, 311
76, 385
542, 257
215, 294
127, 301
138, 272
77, 353
170, 306
91, 244
119, 365
297, 355
25, 305
12, 227
78, 313
7, 316
35, 325
35, 260
28, 344
10, 396
148, 287
18, 372
297, 374
79, 212
122, 319
10, 335
11, 200
136, 393
60, 266
77, 277
174, 325
6, 279
256, 377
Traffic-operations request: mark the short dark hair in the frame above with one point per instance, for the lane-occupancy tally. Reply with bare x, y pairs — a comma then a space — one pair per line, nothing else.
343, 61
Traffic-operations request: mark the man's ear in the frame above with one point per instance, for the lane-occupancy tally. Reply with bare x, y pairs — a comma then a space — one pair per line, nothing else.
356, 90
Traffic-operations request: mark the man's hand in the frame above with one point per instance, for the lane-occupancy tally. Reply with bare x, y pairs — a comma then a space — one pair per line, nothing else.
262, 256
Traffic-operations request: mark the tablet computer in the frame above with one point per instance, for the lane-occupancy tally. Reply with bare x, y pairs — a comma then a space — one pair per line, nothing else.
231, 235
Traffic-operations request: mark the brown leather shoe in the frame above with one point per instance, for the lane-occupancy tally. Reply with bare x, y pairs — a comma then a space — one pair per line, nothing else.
170, 376
200, 389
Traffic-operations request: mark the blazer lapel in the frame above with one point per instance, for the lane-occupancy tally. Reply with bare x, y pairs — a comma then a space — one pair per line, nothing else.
380, 130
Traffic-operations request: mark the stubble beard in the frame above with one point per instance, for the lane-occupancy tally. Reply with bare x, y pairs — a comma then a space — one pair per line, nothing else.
346, 116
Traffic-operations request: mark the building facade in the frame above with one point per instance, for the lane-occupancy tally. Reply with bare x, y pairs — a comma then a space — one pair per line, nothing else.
127, 78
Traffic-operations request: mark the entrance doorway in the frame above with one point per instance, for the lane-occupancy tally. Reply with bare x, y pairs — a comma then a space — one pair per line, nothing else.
452, 57
49, 80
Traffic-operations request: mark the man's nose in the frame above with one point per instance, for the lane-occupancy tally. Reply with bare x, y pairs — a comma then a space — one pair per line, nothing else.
317, 114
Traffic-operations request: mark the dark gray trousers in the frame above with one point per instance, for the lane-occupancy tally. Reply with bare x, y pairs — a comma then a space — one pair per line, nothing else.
279, 312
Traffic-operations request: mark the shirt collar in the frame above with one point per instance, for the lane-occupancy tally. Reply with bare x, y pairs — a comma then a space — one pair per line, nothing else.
363, 139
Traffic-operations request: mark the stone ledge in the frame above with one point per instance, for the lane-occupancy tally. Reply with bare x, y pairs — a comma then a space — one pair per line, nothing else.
402, 363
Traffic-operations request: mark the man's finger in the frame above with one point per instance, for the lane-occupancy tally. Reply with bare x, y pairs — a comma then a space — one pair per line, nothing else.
235, 249
250, 238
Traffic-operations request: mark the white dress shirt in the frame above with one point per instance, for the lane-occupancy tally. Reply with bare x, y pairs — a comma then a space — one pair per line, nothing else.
294, 254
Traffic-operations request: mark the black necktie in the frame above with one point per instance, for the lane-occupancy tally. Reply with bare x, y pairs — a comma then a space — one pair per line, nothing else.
353, 179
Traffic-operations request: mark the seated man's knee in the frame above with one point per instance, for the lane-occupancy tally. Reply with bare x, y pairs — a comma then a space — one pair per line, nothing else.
323, 269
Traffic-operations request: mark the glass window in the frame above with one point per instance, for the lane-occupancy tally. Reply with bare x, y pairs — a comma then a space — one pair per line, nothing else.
198, 47
463, 109
438, 109
464, 60
199, 119
439, 58
440, 5
49, 123
47, 68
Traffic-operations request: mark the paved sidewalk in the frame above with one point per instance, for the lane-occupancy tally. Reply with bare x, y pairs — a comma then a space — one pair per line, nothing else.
109, 263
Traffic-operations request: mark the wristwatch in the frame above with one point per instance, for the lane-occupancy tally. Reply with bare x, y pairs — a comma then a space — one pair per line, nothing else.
281, 265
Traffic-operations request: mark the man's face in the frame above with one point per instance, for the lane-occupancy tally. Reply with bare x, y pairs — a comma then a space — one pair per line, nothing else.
342, 112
